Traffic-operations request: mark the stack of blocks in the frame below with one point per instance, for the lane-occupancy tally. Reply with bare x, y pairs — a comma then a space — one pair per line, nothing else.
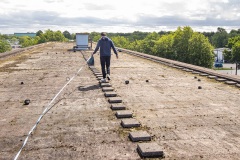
145, 150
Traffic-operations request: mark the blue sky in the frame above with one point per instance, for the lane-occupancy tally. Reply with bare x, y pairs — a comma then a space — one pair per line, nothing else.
117, 15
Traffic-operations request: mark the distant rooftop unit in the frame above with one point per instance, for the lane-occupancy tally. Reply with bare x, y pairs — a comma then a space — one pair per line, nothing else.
81, 41
25, 34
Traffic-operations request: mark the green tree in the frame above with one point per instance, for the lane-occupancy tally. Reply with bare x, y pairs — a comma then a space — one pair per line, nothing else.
209, 35
164, 48
14, 40
67, 35
148, 43
234, 33
236, 52
228, 57
4, 46
220, 38
201, 51
73, 35
232, 41
42, 38
58, 36
39, 32
37, 40
120, 41
26, 41
49, 35
95, 36
135, 45
137, 35
180, 43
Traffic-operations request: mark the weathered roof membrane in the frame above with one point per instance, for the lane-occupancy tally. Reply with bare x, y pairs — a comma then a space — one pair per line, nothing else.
184, 122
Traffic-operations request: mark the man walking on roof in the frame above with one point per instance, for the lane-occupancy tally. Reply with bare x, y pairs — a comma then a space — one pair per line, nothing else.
105, 44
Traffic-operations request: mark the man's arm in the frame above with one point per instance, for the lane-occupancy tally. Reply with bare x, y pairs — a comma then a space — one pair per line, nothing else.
97, 48
114, 49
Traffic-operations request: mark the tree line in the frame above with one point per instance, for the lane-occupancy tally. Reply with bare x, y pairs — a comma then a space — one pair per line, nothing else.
41, 37
183, 44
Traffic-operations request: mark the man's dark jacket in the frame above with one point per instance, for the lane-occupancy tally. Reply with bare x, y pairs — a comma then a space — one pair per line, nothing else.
105, 44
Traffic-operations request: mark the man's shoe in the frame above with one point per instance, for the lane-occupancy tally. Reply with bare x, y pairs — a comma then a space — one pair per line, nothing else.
108, 77
103, 80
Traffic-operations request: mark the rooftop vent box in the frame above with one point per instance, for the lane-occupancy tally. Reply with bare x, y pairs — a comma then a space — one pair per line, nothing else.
81, 41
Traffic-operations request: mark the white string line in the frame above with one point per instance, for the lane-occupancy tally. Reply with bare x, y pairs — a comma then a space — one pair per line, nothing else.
44, 112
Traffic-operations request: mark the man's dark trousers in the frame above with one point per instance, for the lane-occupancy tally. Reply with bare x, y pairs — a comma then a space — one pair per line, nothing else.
105, 61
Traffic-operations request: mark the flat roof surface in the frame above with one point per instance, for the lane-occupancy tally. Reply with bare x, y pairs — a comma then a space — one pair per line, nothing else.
186, 122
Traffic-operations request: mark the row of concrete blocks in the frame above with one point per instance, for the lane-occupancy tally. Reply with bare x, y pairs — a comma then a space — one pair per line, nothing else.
195, 72
189, 70
145, 150
209, 76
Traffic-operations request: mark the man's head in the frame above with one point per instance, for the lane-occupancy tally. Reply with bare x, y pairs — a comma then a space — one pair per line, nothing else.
103, 34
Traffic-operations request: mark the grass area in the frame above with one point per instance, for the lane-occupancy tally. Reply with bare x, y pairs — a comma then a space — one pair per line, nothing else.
223, 69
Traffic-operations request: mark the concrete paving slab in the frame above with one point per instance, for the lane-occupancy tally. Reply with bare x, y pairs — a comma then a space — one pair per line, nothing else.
95, 70
179, 67
105, 82
129, 123
106, 89
139, 136
230, 82
110, 94
221, 79
124, 114
115, 100
149, 150
195, 72
203, 74
212, 77
106, 85
97, 73
118, 106
99, 78
187, 70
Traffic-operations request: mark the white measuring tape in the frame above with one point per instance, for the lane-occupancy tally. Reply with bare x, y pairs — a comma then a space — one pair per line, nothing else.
44, 112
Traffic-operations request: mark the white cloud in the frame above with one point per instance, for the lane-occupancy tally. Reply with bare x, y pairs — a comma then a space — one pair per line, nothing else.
117, 15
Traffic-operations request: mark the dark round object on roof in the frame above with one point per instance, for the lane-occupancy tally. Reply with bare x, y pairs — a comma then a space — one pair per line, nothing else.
27, 101
195, 77
199, 87
22, 83
199, 79
147, 80
127, 82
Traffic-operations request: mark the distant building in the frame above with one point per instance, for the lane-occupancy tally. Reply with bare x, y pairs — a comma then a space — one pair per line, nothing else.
219, 58
25, 34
